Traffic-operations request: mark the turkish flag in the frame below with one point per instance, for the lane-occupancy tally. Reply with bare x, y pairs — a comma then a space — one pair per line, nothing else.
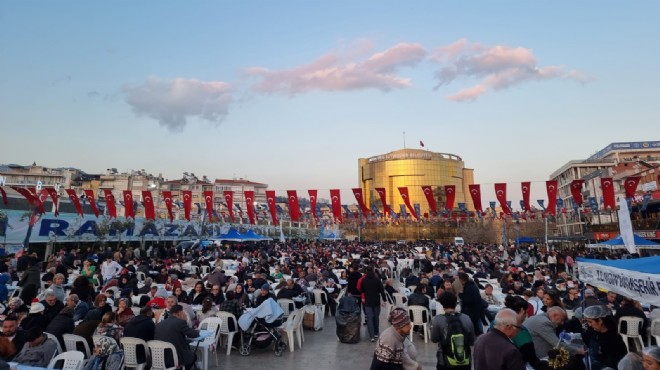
167, 197
475, 192
500, 194
576, 191
382, 195
526, 188
74, 199
272, 207
335, 197
208, 199
631, 185
89, 194
229, 199
128, 204
312, 202
357, 192
607, 185
32, 199
551, 187
450, 194
249, 204
428, 192
110, 203
294, 208
43, 196
53, 195
406, 200
149, 209
4, 195
187, 203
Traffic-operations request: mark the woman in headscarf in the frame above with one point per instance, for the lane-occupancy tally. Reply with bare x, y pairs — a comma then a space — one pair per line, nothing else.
241, 297
109, 328
124, 312
107, 355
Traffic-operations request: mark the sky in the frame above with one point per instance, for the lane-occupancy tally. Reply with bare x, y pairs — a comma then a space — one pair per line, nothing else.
292, 93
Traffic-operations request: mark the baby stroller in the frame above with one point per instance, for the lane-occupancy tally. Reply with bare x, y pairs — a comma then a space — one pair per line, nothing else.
259, 328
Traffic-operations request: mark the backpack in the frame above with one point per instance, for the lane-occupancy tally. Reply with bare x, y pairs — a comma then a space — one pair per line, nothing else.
454, 348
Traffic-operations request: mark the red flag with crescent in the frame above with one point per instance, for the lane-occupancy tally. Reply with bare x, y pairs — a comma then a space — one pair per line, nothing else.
403, 190
576, 191
187, 203
357, 192
229, 199
89, 194
32, 199
167, 197
475, 193
149, 209
272, 207
110, 203
74, 199
607, 185
526, 188
450, 194
294, 208
428, 192
249, 204
43, 196
383, 199
52, 193
631, 185
500, 194
208, 199
4, 195
312, 201
128, 204
335, 197
551, 187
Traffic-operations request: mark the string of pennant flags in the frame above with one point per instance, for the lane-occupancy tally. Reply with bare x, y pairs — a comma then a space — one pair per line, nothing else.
36, 199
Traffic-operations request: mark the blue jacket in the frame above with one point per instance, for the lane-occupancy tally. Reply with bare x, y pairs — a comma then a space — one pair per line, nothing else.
4, 292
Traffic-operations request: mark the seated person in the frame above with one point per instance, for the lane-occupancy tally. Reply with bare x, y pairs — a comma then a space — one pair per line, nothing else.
290, 291
417, 298
38, 349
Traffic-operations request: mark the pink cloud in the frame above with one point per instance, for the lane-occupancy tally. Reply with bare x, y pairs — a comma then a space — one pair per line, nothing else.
498, 67
331, 72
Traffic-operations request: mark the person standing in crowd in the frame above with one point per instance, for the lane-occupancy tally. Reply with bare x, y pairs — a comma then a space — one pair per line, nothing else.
389, 353
440, 330
110, 269
373, 291
495, 350
471, 302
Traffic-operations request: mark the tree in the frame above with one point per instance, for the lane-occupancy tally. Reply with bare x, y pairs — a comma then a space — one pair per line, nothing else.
483, 231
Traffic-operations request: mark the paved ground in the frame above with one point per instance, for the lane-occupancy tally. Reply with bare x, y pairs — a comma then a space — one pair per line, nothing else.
321, 350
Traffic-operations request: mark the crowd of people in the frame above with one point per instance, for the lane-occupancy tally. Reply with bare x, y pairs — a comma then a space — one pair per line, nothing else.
492, 307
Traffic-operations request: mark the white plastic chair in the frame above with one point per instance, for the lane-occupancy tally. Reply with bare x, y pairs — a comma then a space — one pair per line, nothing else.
129, 345
293, 327
288, 306
205, 270
194, 269
654, 332
73, 360
400, 300
214, 324
157, 349
72, 342
320, 299
420, 316
140, 276
227, 317
114, 290
633, 325
54, 338
16, 293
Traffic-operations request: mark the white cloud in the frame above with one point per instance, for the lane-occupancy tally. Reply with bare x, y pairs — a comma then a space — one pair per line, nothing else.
173, 102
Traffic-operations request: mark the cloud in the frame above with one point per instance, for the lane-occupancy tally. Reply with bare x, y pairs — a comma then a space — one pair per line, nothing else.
332, 72
172, 102
499, 67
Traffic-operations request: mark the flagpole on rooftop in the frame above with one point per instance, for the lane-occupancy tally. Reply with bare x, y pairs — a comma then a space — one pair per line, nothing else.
404, 140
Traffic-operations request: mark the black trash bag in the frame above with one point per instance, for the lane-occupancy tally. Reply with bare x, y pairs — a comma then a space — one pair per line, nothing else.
348, 318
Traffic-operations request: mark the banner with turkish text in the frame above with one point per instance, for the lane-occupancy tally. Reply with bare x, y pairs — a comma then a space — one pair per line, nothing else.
294, 208
450, 194
607, 185
403, 190
428, 192
526, 188
71, 193
229, 200
110, 203
208, 200
500, 194
631, 185
167, 197
312, 202
272, 206
475, 193
128, 204
382, 196
357, 192
551, 188
149, 209
187, 203
576, 191
89, 194
335, 197
249, 204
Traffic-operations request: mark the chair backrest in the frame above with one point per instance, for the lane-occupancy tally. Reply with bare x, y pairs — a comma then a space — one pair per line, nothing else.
419, 314
140, 276
16, 293
194, 269
633, 325
157, 348
206, 270
73, 360
320, 297
295, 320
226, 318
400, 300
114, 290
129, 345
73, 342
288, 305
342, 293
54, 338
211, 323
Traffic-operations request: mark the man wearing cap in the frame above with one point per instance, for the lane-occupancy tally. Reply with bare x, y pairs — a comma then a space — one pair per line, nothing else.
175, 330
390, 353
264, 294
590, 298
35, 317
38, 349
495, 350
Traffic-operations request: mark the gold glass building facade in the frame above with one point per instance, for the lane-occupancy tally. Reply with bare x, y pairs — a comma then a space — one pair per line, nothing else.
414, 168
